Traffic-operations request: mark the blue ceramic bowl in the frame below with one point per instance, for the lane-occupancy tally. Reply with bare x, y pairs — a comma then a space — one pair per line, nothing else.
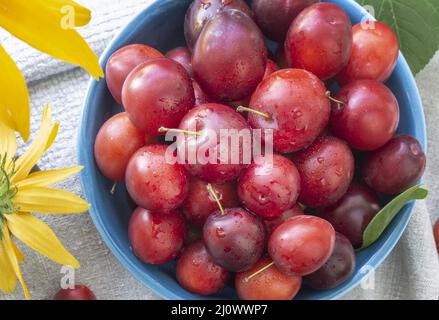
161, 25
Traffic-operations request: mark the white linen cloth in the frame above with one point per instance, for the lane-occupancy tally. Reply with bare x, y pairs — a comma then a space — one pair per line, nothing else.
410, 272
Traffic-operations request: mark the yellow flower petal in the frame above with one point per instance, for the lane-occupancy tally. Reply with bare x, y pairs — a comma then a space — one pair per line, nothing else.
36, 23
8, 279
18, 253
13, 260
48, 200
8, 144
69, 11
52, 136
27, 161
48, 178
6, 118
14, 97
38, 236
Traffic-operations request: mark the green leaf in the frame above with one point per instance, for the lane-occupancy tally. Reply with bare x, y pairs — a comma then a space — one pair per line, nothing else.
380, 222
415, 22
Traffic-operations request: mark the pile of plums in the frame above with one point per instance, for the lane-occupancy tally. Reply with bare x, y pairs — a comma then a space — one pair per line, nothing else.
278, 221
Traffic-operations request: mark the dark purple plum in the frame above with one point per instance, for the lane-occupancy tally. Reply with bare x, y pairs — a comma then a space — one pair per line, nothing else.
337, 269
353, 212
235, 238
396, 166
202, 11
230, 56
274, 17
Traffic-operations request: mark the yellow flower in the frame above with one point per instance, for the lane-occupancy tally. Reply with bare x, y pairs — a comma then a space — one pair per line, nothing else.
47, 25
23, 192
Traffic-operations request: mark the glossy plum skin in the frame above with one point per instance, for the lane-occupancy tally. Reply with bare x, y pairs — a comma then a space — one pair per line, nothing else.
301, 245
396, 166
156, 238
158, 94
154, 183
436, 234
296, 101
122, 62
374, 54
353, 212
236, 240
230, 56
183, 56
79, 292
208, 120
271, 67
337, 269
369, 117
326, 169
199, 203
274, 17
202, 11
269, 186
200, 96
271, 284
320, 40
198, 273
272, 224
117, 140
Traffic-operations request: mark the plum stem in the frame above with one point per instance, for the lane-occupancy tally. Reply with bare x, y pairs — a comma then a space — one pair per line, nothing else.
262, 114
113, 188
301, 205
163, 129
328, 95
215, 196
247, 279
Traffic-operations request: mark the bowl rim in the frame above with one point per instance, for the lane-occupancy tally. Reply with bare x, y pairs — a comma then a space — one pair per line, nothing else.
145, 278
